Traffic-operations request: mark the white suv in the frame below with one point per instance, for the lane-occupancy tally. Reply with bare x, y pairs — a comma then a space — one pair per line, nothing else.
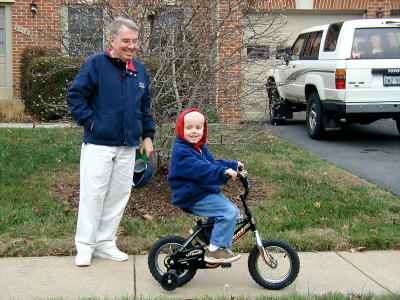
342, 72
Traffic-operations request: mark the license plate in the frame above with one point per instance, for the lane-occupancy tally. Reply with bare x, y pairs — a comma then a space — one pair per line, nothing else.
391, 80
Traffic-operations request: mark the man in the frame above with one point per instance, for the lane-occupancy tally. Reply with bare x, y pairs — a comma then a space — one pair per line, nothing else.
110, 98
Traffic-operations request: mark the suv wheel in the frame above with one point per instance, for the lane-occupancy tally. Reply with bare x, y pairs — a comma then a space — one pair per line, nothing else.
315, 117
275, 102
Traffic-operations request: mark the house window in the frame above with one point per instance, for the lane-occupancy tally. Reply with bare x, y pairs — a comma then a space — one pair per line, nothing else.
2, 32
166, 24
258, 52
85, 30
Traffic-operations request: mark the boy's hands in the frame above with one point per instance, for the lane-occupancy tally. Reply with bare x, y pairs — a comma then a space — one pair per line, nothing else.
231, 173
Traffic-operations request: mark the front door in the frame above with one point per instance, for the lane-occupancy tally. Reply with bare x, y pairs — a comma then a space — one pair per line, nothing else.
5, 53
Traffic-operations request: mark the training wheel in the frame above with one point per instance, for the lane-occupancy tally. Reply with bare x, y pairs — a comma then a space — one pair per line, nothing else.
169, 281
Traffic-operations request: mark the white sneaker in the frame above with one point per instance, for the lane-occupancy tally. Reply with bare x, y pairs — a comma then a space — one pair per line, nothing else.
111, 253
83, 259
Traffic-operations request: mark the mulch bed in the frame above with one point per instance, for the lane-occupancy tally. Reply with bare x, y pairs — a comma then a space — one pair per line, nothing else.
154, 200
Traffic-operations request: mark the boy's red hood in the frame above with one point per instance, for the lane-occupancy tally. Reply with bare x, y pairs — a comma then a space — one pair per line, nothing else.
180, 127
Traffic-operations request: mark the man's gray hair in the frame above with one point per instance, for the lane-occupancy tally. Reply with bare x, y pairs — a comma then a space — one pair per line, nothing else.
118, 21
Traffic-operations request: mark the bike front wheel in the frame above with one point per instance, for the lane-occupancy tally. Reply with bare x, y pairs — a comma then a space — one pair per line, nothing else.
285, 270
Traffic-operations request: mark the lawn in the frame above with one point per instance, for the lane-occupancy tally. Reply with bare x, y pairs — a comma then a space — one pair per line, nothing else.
313, 204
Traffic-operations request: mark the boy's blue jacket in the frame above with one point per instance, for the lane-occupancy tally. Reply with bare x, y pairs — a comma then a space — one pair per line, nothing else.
194, 174
115, 99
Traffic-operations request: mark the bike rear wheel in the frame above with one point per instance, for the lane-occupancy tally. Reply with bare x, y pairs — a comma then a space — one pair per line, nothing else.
158, 259
287, 265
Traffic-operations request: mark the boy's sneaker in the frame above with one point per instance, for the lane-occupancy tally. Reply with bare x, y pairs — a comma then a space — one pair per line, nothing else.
221, 255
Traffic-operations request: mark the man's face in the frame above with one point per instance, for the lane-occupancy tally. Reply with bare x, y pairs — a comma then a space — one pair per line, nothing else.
125, 44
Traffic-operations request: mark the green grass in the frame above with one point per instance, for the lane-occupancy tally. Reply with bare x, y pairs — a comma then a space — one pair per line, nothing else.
314, 205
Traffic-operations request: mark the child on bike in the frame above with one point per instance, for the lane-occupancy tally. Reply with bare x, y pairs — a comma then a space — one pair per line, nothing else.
195, 178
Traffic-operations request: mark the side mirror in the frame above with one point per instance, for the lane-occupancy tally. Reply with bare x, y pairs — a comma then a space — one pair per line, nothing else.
285, 57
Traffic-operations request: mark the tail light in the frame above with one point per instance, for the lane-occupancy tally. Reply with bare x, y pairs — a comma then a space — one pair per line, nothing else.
340, 79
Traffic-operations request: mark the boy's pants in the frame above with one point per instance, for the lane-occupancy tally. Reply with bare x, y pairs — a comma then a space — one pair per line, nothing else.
106, 175
223, 213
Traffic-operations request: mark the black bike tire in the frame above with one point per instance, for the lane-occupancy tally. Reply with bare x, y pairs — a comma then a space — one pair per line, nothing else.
294, 259
153, 255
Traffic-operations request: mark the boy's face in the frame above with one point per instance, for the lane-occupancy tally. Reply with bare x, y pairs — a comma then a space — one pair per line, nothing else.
193, 130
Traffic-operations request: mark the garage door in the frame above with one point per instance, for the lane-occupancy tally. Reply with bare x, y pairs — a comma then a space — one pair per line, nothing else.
260, 54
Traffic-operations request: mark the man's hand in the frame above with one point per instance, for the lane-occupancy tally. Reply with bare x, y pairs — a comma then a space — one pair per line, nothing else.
147, 146
240, 165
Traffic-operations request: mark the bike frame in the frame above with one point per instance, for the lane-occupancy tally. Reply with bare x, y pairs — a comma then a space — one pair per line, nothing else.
194, 257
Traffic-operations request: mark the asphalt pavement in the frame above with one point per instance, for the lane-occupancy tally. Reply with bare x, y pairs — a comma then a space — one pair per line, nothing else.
369, 151
361, 273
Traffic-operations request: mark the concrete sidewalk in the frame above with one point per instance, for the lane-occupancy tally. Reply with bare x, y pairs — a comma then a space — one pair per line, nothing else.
375, 272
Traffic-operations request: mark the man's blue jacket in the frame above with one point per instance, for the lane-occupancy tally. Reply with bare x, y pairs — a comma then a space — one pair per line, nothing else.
194, 174
116, 100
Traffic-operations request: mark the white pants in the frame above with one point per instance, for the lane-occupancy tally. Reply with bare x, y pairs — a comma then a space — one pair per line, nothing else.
105, 186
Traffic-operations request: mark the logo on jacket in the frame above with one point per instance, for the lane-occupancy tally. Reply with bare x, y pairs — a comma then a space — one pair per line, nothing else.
141, 84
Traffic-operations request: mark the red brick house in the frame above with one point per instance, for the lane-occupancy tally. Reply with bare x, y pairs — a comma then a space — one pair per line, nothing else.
22, 23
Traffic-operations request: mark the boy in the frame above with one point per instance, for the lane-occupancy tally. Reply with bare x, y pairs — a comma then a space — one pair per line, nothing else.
195, 178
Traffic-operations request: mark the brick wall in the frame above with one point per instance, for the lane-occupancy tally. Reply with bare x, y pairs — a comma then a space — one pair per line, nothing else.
31, 30
383, 6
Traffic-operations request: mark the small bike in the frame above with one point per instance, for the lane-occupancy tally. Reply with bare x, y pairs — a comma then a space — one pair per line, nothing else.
174, 260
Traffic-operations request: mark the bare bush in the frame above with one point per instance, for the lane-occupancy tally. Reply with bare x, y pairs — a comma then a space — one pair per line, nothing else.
208, 54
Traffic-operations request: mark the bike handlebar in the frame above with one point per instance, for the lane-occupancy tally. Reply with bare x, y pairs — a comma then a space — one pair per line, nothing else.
244, 178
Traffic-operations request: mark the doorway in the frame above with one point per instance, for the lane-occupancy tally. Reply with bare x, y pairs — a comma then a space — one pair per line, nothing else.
6, 76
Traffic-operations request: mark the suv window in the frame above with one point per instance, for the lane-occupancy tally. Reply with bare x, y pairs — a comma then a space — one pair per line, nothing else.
312, 46
332, 36
376, 43
298, 46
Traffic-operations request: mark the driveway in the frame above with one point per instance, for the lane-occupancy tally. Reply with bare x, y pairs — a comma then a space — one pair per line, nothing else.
369, 151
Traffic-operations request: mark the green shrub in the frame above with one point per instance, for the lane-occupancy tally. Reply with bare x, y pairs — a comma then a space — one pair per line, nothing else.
27, 56
47, 83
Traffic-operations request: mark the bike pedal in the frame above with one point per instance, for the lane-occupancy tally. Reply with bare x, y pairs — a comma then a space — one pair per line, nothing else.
226, 265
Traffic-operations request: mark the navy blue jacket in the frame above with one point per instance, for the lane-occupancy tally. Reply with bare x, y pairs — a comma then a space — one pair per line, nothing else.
113, 98
194, 174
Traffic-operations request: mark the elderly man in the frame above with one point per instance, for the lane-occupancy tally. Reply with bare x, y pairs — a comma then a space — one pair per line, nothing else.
110, 98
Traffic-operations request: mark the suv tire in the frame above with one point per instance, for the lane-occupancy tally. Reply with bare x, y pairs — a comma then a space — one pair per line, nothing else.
315, 117
275, 102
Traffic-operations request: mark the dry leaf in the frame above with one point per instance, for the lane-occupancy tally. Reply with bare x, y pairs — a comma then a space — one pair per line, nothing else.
317, 204
345, 226
58, 160
353, 250
148, 217
373, 230
302, 213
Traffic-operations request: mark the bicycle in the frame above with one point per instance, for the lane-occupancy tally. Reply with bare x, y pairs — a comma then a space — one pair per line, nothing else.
273, 263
